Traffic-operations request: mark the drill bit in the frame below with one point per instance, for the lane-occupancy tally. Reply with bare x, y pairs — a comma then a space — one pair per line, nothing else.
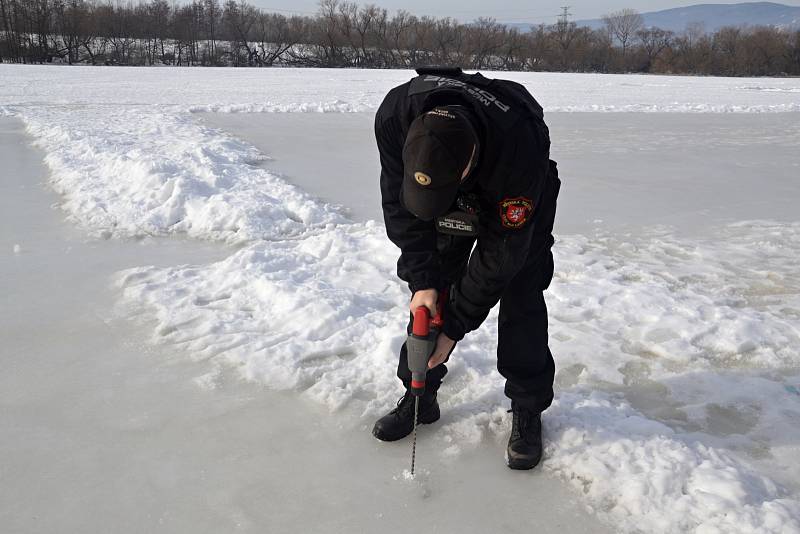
414, 444
420, 345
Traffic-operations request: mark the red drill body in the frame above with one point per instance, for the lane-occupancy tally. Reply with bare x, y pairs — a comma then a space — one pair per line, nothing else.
421, 344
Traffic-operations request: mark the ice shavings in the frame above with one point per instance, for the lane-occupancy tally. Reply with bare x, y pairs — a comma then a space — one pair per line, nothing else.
630, 323
130, 171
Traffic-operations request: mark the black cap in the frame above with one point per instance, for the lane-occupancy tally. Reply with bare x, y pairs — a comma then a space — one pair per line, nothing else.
438, 147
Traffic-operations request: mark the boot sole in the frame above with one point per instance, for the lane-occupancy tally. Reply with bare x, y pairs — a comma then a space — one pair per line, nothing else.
522, 462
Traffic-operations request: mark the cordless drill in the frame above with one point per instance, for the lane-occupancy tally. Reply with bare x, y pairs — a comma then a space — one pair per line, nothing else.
421, 343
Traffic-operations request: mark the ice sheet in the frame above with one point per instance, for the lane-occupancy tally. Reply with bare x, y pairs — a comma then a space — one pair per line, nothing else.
677, 351
337, 90
619, 171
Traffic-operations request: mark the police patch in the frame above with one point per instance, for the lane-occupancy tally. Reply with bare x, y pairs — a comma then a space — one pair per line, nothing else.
514, 212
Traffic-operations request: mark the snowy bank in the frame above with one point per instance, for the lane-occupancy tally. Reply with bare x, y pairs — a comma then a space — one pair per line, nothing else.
336, 90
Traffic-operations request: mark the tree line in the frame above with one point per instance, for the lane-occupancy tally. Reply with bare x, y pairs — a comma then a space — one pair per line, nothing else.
345, 34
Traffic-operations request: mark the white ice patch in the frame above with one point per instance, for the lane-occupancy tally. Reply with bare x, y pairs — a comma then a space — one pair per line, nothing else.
647, 478
131, 171
659, 304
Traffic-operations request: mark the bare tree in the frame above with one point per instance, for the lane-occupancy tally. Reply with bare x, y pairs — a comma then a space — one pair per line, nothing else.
424, 41
237, 25
623, 25
564, 33
449, 39
654, 42
512, 51
692, 50
364, 28
71, 24
764, 52
793, 53
277, 35
485, 39
728, 43
11, 43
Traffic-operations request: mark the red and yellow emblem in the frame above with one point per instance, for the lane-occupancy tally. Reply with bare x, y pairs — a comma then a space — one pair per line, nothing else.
515, 212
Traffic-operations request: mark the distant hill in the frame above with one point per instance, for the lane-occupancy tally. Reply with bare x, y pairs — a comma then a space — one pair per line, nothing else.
712, 16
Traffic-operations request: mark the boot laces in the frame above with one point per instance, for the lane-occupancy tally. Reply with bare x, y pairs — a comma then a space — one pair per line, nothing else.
405, 406
522, 421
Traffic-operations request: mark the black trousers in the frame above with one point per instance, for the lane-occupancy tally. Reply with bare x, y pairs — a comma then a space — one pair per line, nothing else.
523, 355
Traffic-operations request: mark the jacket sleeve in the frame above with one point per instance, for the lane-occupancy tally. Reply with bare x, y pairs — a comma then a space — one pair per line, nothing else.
419, 263
500, 251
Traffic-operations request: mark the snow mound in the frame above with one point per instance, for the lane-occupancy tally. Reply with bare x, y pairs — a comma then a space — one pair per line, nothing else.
325, 315
131, 172
645, 478
659, 304
321, 314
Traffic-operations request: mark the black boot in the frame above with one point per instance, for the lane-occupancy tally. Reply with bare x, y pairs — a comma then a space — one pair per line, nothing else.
525, 444
399, 422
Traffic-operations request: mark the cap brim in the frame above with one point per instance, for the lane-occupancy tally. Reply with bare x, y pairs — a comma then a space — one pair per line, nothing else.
427, 204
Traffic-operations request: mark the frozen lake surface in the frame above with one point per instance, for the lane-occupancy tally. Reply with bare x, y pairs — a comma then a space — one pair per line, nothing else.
215, 291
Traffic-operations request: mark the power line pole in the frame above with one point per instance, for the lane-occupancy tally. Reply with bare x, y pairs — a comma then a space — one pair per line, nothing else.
565, 15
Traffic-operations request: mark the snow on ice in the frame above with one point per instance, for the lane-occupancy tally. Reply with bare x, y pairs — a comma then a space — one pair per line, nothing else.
147, 172
336, 90
673, 410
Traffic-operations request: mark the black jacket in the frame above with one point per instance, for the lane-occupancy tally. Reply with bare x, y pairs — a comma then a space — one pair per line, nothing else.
512, 166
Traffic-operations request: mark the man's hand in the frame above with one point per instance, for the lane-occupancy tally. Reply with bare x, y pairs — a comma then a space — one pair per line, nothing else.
424, 297
444, 345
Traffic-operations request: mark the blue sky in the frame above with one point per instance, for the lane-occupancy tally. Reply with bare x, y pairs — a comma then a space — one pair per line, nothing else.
503, 11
